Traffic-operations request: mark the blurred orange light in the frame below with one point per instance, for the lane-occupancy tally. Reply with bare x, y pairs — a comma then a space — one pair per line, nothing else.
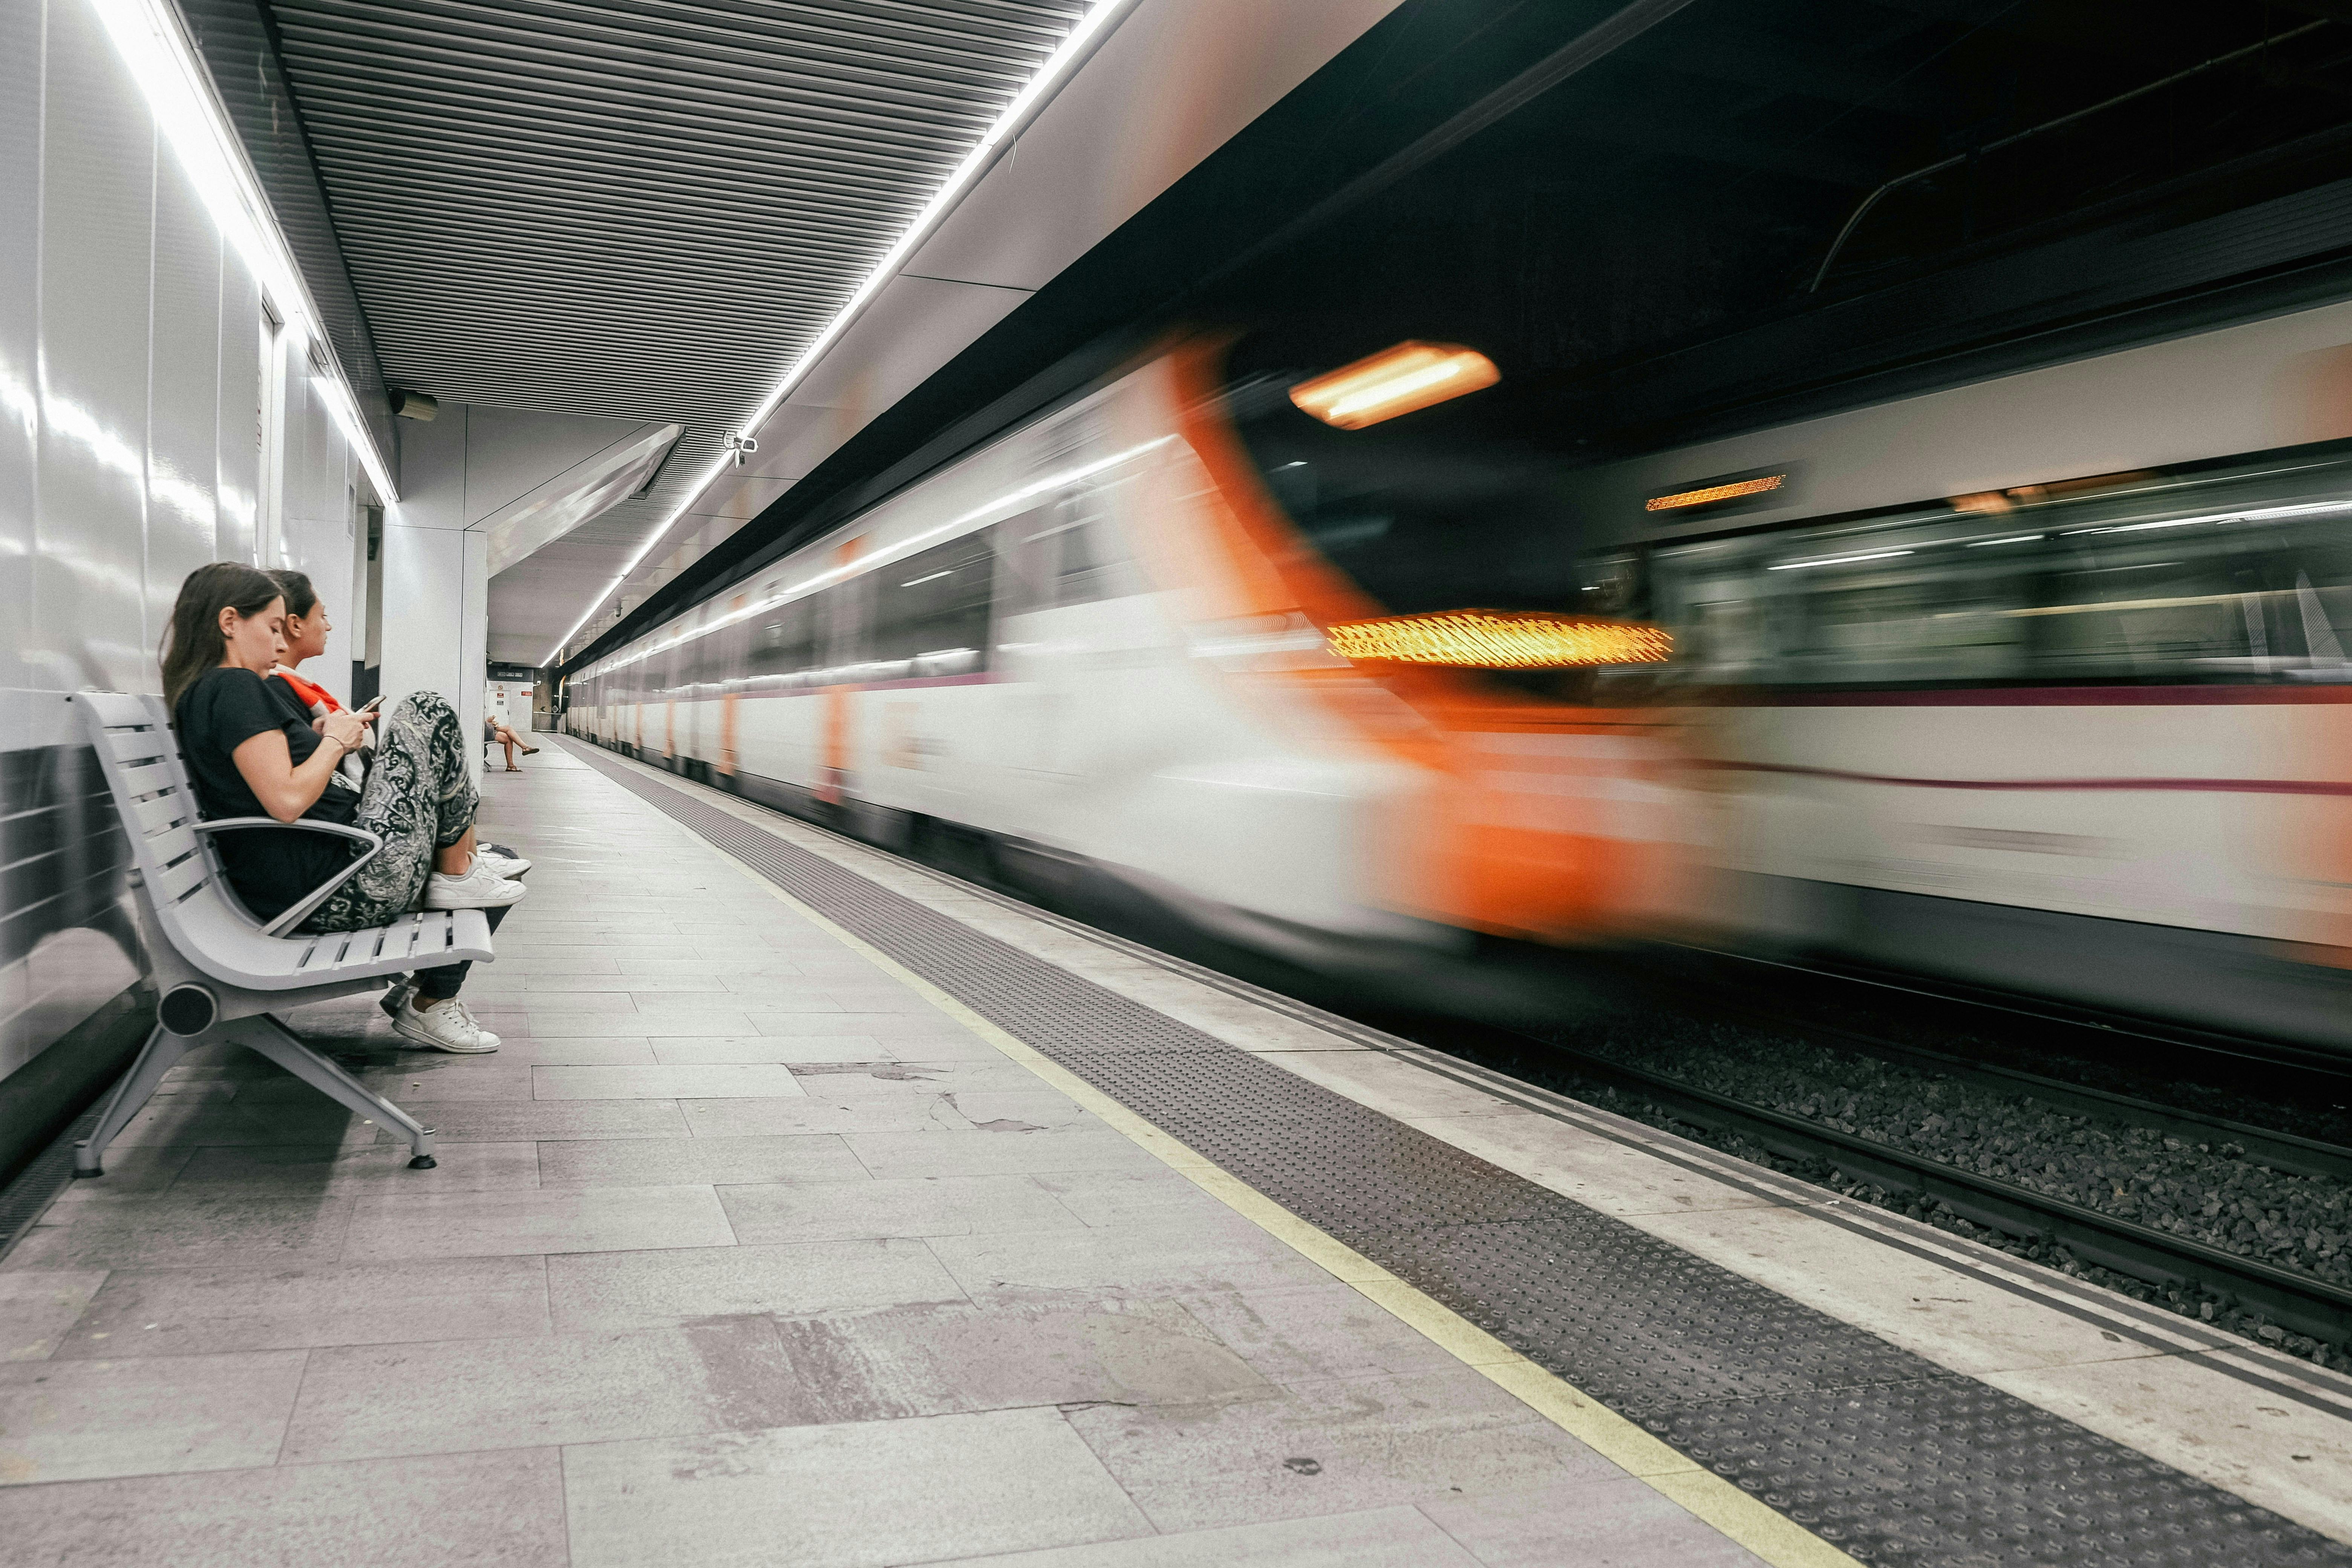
1713, 493
1498, 640
1394, 381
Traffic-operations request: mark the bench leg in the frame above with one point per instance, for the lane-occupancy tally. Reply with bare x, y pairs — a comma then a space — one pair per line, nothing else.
281, 1045
162, 1052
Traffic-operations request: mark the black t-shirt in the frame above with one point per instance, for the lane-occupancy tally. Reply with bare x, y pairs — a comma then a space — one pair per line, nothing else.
268, 867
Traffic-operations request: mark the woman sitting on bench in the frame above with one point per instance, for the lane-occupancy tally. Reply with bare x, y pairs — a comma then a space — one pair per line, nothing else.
252, 753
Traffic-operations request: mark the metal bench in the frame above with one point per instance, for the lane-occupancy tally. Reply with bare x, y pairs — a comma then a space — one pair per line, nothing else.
218, 970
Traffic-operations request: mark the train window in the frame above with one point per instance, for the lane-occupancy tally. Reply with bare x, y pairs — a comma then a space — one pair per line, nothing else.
783, 639
2248, 578
1434, 512
1064, 553
929, 611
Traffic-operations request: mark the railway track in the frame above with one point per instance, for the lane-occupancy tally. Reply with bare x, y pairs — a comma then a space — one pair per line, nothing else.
2296, 1300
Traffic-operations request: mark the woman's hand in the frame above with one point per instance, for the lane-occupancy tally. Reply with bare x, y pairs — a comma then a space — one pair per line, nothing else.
346, 730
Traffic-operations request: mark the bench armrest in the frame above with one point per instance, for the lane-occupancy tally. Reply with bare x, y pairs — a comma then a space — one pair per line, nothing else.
296, 913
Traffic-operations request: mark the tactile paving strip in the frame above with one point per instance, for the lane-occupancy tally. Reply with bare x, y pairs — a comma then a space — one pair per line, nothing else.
1892, 1457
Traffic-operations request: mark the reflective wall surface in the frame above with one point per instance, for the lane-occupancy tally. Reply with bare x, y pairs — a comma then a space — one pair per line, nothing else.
134, 363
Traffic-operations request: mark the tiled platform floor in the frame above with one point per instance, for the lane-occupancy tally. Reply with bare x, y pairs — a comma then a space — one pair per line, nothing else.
739, 1252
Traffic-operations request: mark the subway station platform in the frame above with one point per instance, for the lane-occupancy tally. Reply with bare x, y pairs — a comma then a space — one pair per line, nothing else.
819, 1209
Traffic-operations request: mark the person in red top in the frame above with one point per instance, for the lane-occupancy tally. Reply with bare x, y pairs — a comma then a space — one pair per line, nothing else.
306, 638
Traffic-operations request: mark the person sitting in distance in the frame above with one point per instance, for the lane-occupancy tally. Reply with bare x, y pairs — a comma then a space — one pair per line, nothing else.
250, 753
497, 734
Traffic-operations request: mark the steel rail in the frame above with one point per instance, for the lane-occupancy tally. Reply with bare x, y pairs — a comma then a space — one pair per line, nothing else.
2294, 1300
2286, 1152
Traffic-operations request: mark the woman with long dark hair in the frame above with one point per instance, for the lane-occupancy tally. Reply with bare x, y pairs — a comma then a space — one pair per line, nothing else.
252, 753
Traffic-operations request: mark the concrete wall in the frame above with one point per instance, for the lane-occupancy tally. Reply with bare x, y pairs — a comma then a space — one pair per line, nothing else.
130, 381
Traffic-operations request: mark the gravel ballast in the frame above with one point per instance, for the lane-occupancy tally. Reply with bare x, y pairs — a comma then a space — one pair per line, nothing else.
2206, 1191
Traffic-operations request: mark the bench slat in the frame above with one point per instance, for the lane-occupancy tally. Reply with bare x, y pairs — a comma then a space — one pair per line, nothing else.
176, 843
155, 816
138, 745
174, 883
149, 779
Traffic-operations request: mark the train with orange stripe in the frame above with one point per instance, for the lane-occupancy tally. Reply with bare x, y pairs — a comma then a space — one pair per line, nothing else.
2037, 683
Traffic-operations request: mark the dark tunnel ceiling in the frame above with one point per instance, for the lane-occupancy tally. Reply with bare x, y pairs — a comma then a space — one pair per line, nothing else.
1635, 246
1680, 196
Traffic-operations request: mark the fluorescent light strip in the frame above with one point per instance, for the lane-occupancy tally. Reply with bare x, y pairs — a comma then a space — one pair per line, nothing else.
1091, 28
897, 552
154, 44
2259, 514
1836, 560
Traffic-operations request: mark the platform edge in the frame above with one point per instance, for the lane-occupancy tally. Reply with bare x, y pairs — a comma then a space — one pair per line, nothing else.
1760, 1529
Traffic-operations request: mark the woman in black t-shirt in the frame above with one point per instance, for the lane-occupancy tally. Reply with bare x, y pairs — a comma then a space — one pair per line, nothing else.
253, 753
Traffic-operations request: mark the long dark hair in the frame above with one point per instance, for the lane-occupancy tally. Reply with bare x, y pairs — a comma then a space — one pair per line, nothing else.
192, 643
301, 597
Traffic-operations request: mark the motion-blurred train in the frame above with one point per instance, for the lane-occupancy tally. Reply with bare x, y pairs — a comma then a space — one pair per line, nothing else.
2037, 683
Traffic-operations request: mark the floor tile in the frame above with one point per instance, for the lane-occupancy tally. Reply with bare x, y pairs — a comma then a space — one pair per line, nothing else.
844, 1497
503, 1122
192, 1311
989, 1153
1613, 1520
347, 1172
470, 1510
1305, 1333
930, 1360
140, 1170
547, 1219
169, 1232
1381, 1537
76, 1420
916, 1205
39, 1305
688, 1051
606, 1290
721, 1374
886, 1026
1031, 1108
476, 1077
817, 1113
535, 986
1101, 1197
852, 1078
518, 1049
674, 1162
736, 1081
1151, 1260
1372, 1442
187, 1119
334, 1171
855, 998
548, 1024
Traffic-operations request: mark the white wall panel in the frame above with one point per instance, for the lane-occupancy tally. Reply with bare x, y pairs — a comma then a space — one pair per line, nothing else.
183, 377
20, 304
236, 414
129, 355
98, 185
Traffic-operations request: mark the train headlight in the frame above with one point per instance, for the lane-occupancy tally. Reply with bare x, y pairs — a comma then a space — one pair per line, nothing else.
1499, 639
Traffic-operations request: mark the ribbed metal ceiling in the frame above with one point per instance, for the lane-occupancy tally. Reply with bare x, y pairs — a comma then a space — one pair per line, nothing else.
641, 208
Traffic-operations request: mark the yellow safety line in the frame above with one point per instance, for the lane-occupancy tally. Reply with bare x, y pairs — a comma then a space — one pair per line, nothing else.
1769, 1534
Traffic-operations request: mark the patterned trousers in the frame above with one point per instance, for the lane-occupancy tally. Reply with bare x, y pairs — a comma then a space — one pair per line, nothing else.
419, 798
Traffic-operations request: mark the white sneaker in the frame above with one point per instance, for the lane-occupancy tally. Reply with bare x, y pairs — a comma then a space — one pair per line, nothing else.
505, 862
444, 1026
480, 888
